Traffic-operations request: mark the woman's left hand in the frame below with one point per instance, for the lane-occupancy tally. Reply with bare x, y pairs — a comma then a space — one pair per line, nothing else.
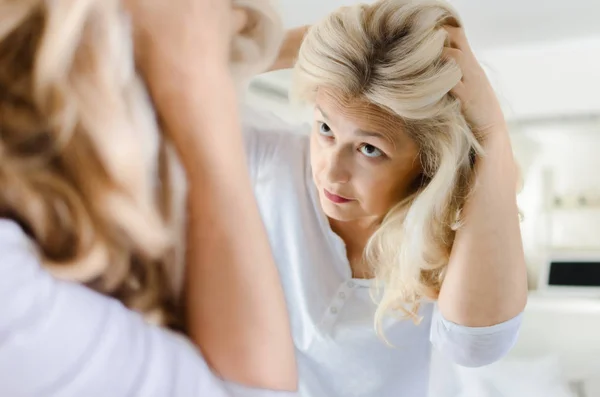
479, 102
288, 52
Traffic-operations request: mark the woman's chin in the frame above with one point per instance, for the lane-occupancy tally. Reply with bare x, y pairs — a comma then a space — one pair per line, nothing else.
339, 212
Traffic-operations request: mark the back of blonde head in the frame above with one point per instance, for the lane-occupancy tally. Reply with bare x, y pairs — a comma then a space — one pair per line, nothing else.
84, 167
390, 54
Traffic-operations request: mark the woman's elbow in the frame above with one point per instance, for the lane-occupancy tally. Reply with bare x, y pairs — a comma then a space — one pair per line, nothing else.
475, 347
277, 376
474, 356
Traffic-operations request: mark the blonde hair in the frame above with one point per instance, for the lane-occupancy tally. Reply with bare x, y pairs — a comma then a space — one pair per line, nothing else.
390, 54
84, 167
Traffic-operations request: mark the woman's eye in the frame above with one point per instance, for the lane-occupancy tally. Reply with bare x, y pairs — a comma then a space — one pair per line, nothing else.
370, 151
325, 130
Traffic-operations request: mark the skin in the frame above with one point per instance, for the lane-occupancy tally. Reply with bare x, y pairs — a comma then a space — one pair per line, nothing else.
289, 48
486, 282
359, 152
242, 327
486, 279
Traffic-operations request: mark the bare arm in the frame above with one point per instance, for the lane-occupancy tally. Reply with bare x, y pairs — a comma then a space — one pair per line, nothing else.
235, 305
235, 309
289, 48
486, 282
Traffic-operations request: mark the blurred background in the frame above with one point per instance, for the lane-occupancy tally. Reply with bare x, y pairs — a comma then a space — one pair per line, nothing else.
543, 58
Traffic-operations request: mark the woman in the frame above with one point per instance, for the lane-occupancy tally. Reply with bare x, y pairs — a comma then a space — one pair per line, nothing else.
405, 192
92, 202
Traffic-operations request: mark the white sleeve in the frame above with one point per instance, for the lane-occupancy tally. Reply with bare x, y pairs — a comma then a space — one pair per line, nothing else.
265, 139
473, 346
61, 339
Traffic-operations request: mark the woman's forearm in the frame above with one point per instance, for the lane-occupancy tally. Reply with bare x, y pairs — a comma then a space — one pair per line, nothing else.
486, 281
235, 308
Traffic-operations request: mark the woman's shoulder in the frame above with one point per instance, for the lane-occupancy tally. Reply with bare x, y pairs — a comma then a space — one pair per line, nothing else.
268, 128
272, 142
19, 257
261, 118
13, 238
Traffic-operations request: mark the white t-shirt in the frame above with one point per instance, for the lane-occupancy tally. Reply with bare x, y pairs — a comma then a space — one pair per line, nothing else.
60, 339
338, 351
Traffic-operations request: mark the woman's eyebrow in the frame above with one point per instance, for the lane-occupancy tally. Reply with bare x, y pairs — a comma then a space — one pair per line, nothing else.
322, 112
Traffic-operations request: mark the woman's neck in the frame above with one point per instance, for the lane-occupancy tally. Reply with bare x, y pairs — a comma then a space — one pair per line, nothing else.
355, 235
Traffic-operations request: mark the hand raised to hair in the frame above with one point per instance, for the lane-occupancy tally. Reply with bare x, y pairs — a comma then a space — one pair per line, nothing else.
479, 102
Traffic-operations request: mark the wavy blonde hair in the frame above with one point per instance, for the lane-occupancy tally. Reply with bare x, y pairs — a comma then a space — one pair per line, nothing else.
84, 167
390, 54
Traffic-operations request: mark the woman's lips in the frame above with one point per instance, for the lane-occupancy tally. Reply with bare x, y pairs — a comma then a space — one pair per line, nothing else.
335, 198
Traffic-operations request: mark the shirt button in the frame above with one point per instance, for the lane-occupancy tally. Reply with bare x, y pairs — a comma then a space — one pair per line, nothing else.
351, 284
334, 310
342, 295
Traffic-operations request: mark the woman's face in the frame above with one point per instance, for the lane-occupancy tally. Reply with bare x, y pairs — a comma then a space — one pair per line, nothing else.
363, 162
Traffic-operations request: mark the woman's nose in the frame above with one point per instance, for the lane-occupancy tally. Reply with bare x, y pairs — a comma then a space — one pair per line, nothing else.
336, 167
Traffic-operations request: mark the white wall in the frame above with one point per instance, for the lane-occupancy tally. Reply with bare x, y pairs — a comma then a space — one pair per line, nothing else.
547, 80
570, 154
